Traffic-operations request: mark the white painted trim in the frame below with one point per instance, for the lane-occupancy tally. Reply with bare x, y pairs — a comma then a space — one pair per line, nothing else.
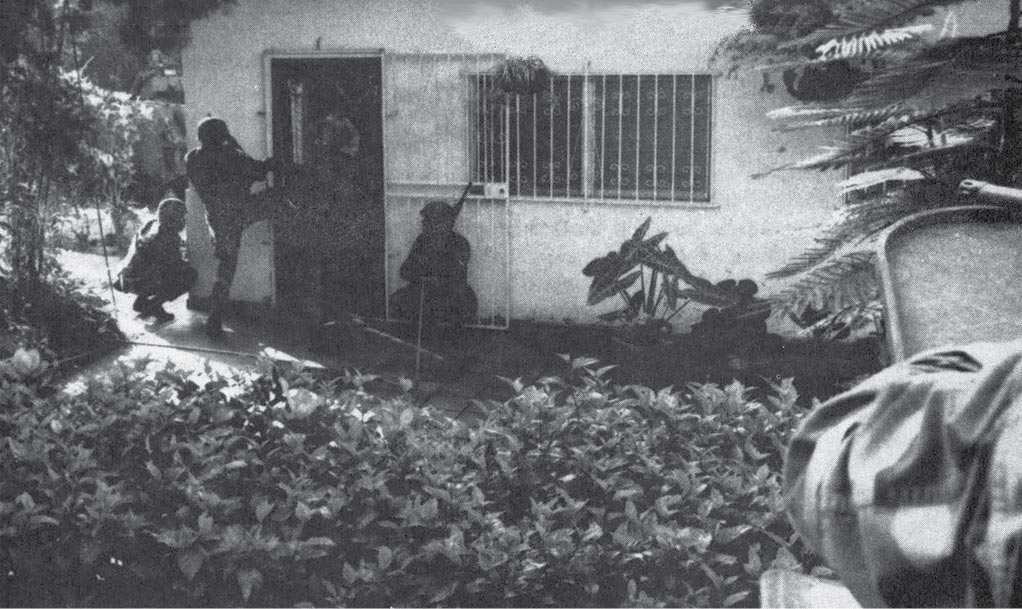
711, 162
323, 53
638, 203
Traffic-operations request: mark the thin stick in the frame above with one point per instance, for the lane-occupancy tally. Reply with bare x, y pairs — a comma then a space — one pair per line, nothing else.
418, 338
371, 330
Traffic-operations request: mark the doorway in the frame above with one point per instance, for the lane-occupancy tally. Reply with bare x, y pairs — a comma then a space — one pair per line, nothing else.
306, 91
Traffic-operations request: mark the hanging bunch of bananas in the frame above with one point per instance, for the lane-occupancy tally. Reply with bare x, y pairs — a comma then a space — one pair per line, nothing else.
522, 75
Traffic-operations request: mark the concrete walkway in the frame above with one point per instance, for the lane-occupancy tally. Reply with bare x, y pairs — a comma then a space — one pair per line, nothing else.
460, 374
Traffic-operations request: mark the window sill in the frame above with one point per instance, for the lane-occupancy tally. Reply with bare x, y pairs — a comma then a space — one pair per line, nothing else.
616, 202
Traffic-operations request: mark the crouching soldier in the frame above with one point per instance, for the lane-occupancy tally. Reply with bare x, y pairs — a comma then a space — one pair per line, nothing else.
155, 268
437, 273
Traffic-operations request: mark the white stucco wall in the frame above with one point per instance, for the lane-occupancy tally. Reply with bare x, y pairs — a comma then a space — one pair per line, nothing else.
753, 226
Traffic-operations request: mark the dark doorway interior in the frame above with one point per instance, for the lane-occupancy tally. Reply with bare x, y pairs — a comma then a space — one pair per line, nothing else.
348, 88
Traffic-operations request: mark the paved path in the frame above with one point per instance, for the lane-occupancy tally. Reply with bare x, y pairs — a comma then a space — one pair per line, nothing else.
468, 371
182, 341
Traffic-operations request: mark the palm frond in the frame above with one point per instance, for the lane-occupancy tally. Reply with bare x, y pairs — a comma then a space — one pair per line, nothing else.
942, 75
868, 43
843, 281
895, 85
853, 118
965, 111
871, 113
824, 248
871, 17
928, 112
926, 136
892, 142
923, 158
869, 179
853, 225
864, 146
859, 222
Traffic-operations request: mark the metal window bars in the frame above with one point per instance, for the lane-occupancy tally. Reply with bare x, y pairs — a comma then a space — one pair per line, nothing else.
639, 137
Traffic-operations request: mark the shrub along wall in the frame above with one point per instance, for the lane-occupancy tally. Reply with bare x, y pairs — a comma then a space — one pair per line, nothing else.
173, 488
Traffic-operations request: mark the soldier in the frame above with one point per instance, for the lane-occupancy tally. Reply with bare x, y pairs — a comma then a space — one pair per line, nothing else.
910, 484
437, 272
155, 268
223, 175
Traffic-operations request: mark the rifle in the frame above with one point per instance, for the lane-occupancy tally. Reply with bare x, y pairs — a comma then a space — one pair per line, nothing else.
990, 193
461, 201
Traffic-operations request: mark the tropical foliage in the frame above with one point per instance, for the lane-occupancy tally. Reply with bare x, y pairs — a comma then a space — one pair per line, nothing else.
66, 145
665, 285
63, 141
157, 486
162, 24
921, 109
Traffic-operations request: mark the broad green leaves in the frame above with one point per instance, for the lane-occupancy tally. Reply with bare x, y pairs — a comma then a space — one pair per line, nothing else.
574, 492
660, 274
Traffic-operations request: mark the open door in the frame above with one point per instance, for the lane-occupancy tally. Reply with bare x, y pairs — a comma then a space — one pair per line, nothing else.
305, 90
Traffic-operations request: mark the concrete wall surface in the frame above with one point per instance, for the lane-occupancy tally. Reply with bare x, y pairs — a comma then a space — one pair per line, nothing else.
749, 227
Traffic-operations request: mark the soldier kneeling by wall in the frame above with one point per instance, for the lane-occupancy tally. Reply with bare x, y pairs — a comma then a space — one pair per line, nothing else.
437, 273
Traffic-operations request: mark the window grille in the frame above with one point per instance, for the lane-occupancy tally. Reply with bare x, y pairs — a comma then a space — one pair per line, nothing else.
609, 137
296, 99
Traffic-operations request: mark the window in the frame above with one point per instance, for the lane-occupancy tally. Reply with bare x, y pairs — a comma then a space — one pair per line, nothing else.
614, 137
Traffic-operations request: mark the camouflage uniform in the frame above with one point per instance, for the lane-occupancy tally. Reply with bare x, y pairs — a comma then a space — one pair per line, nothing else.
155, 267
223, 175
910, 484
436, 270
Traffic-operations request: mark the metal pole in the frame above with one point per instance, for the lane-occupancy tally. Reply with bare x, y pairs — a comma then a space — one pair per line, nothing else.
674, 136
638, 134
418, 337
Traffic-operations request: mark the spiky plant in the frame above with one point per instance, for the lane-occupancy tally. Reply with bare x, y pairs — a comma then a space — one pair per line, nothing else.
928, 109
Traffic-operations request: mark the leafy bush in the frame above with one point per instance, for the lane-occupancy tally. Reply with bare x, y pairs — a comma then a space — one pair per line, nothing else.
175, 488
63, 320
67, 142
660, 296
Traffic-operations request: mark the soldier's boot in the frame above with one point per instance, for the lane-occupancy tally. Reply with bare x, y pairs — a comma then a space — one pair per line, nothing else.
217, 303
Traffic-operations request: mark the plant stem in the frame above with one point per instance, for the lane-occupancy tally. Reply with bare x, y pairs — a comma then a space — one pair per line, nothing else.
678, 310
651, 294
642, 278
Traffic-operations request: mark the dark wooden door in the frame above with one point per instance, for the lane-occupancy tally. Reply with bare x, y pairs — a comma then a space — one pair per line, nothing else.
305, 91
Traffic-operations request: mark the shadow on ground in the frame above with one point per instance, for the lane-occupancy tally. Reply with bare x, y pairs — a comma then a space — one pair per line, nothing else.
458, 374
454, 374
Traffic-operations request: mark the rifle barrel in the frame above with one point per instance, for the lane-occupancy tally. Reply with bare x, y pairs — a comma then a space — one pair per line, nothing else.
991, 193
461, 201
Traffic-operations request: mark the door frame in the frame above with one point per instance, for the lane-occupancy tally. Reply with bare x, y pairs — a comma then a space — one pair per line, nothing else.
267, 115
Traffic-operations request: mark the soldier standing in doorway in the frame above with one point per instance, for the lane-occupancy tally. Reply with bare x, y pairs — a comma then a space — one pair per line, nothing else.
223, 175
